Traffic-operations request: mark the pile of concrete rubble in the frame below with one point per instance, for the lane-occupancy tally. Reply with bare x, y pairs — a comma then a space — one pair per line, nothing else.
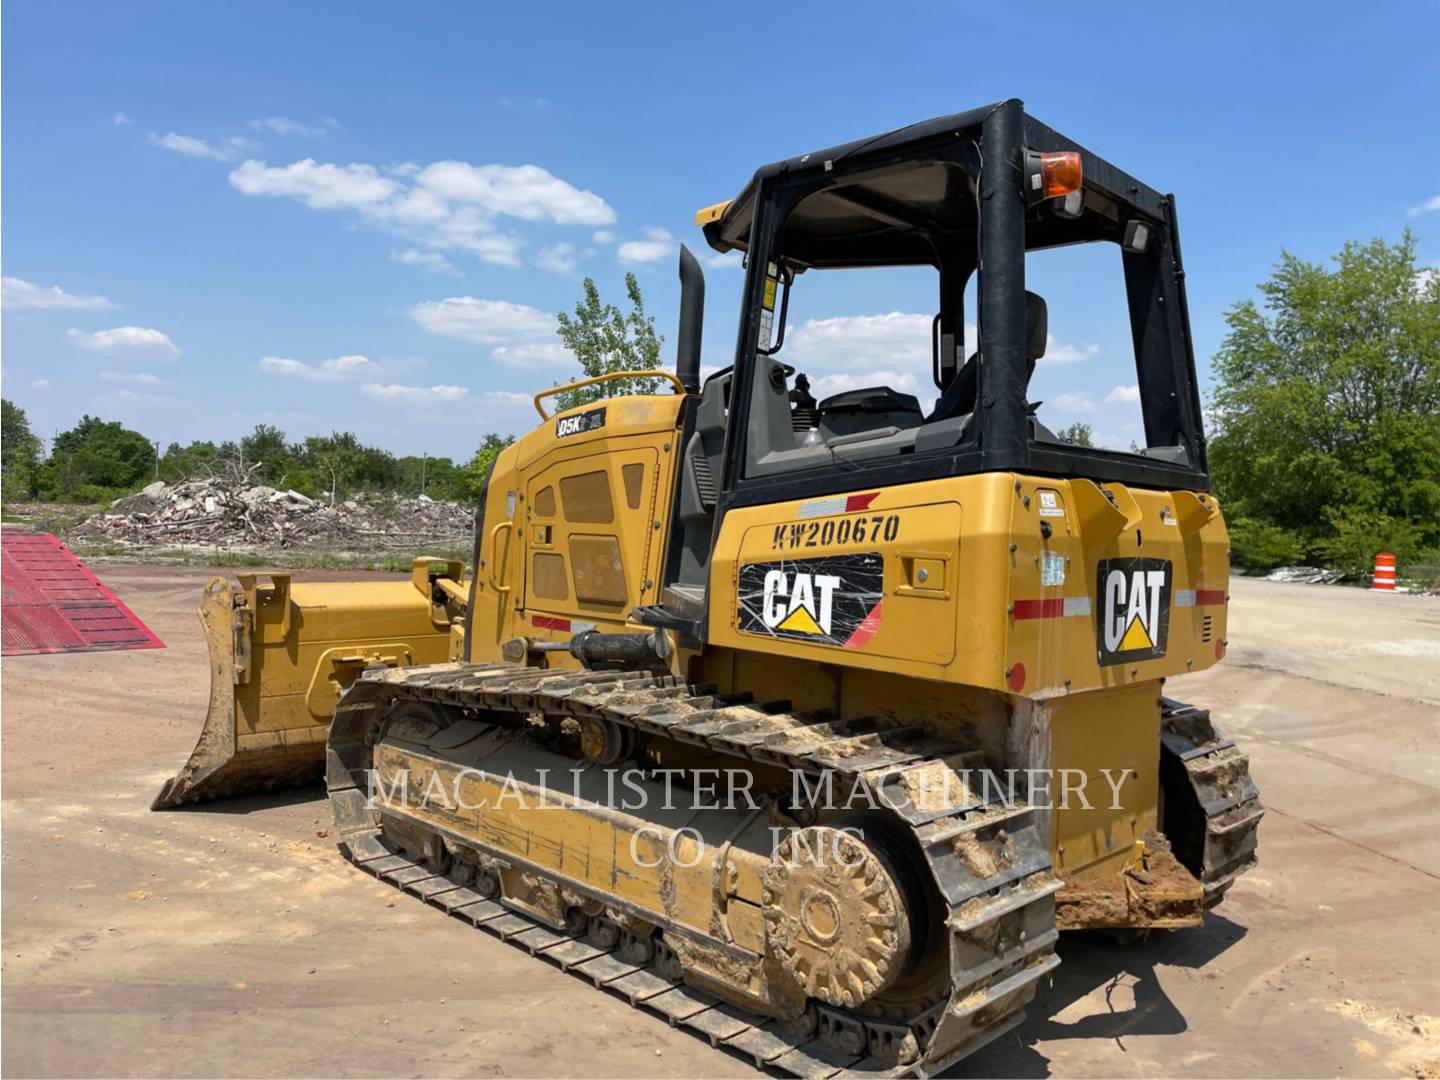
214, 511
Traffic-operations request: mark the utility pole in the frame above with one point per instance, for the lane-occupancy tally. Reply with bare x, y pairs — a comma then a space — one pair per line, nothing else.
424, 460
157, 459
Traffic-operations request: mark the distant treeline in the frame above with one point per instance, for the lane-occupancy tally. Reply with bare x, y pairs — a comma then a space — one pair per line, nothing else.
100, 460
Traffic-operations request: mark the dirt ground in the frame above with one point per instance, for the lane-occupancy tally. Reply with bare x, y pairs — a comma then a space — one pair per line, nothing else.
232, 940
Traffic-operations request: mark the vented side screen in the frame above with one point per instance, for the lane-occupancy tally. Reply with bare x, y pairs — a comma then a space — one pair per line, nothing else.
548, 577
599, 572
634, 477
704, 480
586, 498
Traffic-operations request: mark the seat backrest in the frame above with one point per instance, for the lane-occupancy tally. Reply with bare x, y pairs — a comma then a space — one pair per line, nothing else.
959, 397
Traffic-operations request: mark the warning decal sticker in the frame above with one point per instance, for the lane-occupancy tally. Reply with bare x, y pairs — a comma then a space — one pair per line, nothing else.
830, 601
1132, 609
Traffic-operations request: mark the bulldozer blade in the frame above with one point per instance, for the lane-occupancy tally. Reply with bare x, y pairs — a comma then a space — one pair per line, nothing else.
281, 655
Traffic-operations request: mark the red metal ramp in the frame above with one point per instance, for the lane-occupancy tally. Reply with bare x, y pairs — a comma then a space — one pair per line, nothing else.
52, 603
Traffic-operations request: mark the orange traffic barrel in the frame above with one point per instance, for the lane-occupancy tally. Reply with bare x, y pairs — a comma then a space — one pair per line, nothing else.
1384, 579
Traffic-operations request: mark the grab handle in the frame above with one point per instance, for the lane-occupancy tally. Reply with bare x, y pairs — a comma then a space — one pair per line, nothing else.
609, 376
490, 572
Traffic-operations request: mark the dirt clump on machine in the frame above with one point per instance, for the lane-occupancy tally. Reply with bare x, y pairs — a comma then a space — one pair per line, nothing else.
217, 511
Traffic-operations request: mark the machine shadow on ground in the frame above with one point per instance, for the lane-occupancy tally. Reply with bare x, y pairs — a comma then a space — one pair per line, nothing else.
1101, 962
249, 804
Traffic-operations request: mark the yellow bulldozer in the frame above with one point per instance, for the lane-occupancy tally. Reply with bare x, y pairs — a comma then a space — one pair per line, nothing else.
806, 725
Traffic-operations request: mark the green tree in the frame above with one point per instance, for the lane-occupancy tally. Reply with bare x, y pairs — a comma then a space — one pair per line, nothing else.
473, 475
433, 476
266, 447
96, 459
1077, 434
339, 464
604, 339
19, 453
189, 462
1326, 407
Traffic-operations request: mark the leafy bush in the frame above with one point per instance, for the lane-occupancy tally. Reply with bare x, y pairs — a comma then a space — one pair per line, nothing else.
1359, 534
1258, 545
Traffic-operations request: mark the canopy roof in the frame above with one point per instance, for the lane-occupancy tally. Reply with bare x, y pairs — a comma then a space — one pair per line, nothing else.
889, 199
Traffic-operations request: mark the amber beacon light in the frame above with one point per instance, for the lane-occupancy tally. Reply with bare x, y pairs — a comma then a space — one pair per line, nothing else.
1052, 175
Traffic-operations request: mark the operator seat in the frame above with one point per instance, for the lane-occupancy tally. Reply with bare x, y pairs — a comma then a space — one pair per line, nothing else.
959, 397
874, 407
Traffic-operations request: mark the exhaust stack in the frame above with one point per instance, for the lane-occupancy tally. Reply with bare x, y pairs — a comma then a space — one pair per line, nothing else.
692, 321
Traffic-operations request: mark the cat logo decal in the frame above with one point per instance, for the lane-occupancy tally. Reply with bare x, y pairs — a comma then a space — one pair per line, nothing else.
834, 601
1132, 609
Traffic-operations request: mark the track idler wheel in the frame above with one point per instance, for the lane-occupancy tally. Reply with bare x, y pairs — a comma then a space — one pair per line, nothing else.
836, 916
604, 741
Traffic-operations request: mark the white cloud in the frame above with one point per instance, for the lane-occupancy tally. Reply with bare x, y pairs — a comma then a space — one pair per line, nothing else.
333, 370
242, 144
527, 192
416, 394
509, 397
1063, 353
447, 205
658, 244
533, 354
1072, 403
18, 293
124, 337
39, 384
121, 119
429, 260
864, 342
521, 336
191, 146
557, 257
852, 352
467, 232
838, 382
602, 236
728, 261
1123, 393
1432, 203
485, 322
142, 399
320, 187
283, 125
130, 377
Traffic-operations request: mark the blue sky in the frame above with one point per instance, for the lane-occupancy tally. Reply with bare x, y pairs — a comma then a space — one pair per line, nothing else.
361, 216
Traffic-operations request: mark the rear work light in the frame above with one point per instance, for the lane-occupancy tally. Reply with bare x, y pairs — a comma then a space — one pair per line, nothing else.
1051, 176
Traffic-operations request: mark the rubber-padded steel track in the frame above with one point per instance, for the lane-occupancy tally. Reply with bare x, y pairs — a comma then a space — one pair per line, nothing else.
989, 861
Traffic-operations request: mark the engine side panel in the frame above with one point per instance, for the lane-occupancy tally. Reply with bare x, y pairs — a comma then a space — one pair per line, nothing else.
575, 523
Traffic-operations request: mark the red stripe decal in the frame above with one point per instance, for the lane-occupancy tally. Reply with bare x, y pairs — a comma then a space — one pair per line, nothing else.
860, 502
1052, 608
866, 630
545, 622
1209, 596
